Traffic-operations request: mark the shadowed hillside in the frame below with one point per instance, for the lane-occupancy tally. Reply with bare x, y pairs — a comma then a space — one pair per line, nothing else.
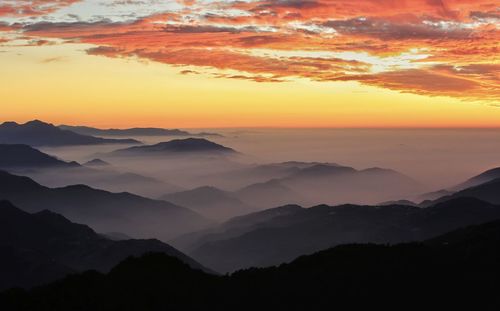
457, 271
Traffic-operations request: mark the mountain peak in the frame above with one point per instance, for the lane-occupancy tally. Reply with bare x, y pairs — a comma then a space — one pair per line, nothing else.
188, 145
39, 133
96, 162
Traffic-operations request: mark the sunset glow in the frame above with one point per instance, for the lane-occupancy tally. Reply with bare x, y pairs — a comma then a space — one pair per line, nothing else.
264, 63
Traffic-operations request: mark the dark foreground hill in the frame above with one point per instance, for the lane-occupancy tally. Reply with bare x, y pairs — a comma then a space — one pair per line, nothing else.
38, 133
457, 271
45, 246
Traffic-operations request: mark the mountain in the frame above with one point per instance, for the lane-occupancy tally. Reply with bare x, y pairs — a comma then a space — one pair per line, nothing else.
104, 211
482, 178
232, 228
96, 163
432, 196
303, 231
241, 176
177, 146
136, 131
50, 171
38, 133
46, 246
456, 271
26, 157
489, 192
270, 193
211, 202
332, 184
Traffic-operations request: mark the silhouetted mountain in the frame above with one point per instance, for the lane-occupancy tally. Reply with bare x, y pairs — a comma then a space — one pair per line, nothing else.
232, 228
482, 178
26, 157
136, 131
398, 202
176, 146
50, 171
211, 202
304, 231
46, 240
38, 133
489, 192
102, 210
457, 271
96, 163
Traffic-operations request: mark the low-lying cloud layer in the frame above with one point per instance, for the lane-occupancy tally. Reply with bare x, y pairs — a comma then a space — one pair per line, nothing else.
429, 47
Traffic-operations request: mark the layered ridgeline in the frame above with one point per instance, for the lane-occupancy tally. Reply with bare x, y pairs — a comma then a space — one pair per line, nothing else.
136, 131
280, 235
455, 271
310, 184
54, 172
44, 246
38, 133
488, 191
104, 211
478, 180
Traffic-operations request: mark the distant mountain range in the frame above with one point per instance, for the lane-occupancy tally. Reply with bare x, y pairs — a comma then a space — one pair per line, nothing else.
50, 171
176, 146
44, 246
38, 133
318, 183
455, 271
136, 131
293, 231
104, 211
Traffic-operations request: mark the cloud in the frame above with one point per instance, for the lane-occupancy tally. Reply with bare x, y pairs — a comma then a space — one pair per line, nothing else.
428, 47
33, 7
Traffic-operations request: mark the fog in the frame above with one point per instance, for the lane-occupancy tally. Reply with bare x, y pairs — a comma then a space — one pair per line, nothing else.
274, 167
438, 158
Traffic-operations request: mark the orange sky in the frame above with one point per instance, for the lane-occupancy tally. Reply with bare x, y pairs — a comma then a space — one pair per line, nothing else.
283, 63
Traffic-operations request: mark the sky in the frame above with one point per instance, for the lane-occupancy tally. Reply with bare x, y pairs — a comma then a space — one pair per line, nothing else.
251, 63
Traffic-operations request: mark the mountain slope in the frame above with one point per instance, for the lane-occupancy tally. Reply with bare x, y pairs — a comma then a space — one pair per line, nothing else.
458, 271
37, 133
46, 246
304, 231
482, 178
26, 157
50, 171
104, 211
488, 191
